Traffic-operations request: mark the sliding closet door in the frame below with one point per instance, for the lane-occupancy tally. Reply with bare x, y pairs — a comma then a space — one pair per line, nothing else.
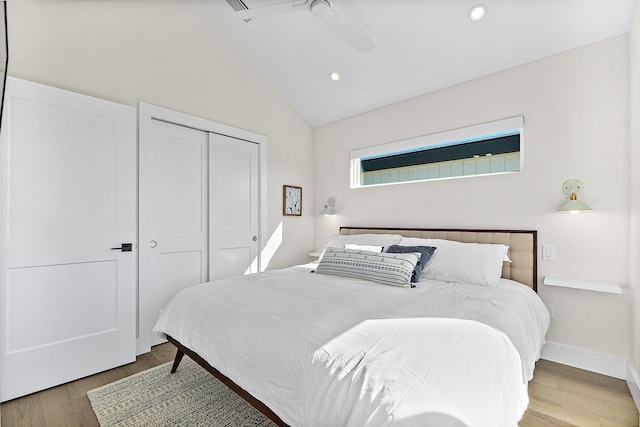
199, 207
234, 206
68, 191
176, 236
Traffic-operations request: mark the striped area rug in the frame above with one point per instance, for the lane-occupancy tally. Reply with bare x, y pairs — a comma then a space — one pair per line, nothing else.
155, 397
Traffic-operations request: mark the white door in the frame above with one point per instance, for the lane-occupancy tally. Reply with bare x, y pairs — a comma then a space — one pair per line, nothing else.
199, 206
178, 211
68, 191
234, 206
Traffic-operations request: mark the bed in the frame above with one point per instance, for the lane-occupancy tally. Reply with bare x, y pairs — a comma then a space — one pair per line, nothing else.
329, 343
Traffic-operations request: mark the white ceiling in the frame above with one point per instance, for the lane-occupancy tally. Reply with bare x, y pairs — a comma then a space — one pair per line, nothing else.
420, 45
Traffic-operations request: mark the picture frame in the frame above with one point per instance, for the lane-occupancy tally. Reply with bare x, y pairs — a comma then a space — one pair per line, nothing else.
291, 200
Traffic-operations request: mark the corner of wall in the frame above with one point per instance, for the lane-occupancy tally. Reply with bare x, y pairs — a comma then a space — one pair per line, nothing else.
633, 382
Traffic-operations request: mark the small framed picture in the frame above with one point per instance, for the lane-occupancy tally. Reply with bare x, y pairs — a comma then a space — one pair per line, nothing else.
291, 200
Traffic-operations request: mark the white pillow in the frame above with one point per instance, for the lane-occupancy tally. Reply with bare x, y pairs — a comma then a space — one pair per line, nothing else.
384, 240
473, 263
370, 248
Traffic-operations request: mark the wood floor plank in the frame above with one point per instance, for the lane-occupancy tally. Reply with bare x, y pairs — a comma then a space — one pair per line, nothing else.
580, 401
535, 418
545, 378
575, 397
559, 396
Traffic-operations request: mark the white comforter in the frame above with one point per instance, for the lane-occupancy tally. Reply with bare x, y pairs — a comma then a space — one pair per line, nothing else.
332, 351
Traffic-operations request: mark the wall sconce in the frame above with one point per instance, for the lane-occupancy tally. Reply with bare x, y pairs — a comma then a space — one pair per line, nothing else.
571, 188
329, 206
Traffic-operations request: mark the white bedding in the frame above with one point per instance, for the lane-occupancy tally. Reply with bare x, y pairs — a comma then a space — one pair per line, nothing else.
332, 351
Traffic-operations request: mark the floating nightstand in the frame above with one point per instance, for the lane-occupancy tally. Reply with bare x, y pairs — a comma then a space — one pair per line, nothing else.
612, 288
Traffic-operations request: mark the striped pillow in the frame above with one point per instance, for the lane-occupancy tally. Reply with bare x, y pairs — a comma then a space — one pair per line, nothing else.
386, 268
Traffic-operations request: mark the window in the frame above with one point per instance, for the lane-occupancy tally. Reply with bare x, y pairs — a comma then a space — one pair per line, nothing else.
488, 148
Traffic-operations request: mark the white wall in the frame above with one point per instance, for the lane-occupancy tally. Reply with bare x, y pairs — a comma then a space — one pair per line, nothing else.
162, 53
576, 109
634, 53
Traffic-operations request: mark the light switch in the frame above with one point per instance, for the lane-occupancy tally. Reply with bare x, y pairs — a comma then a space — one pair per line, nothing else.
548, 253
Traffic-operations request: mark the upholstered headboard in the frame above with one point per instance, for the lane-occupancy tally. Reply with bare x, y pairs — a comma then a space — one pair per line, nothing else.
522, 244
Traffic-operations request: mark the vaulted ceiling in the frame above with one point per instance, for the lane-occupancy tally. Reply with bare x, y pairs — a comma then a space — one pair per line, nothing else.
386, 51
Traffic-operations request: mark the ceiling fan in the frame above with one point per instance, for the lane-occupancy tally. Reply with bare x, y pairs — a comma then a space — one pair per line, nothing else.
324, 9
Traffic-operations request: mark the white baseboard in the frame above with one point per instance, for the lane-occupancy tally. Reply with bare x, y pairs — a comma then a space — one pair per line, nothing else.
585, 359
633, 381
142, 345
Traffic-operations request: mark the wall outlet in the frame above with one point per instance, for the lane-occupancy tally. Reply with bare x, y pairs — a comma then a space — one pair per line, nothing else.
552, 310
548, 253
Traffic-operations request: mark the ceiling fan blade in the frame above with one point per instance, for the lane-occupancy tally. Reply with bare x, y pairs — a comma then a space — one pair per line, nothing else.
264, 11
349, 30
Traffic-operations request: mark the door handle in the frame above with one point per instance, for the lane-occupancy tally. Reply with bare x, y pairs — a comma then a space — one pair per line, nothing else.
126, 247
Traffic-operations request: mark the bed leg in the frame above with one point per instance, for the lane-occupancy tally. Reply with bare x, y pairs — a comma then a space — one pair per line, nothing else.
176, 361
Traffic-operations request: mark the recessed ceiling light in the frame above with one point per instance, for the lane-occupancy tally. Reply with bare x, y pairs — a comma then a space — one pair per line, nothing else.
320, 7
335, 77
477, 12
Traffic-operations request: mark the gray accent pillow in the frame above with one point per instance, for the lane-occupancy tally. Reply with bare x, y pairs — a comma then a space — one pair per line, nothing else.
425, 251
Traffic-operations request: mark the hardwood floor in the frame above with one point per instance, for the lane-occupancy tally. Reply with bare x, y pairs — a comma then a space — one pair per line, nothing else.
559, 396
67, 405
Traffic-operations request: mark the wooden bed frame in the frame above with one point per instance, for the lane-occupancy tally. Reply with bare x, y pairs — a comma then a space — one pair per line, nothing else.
182, 350
523, 268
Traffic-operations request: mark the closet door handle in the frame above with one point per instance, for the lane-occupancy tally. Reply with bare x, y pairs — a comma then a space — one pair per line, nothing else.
126, 247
